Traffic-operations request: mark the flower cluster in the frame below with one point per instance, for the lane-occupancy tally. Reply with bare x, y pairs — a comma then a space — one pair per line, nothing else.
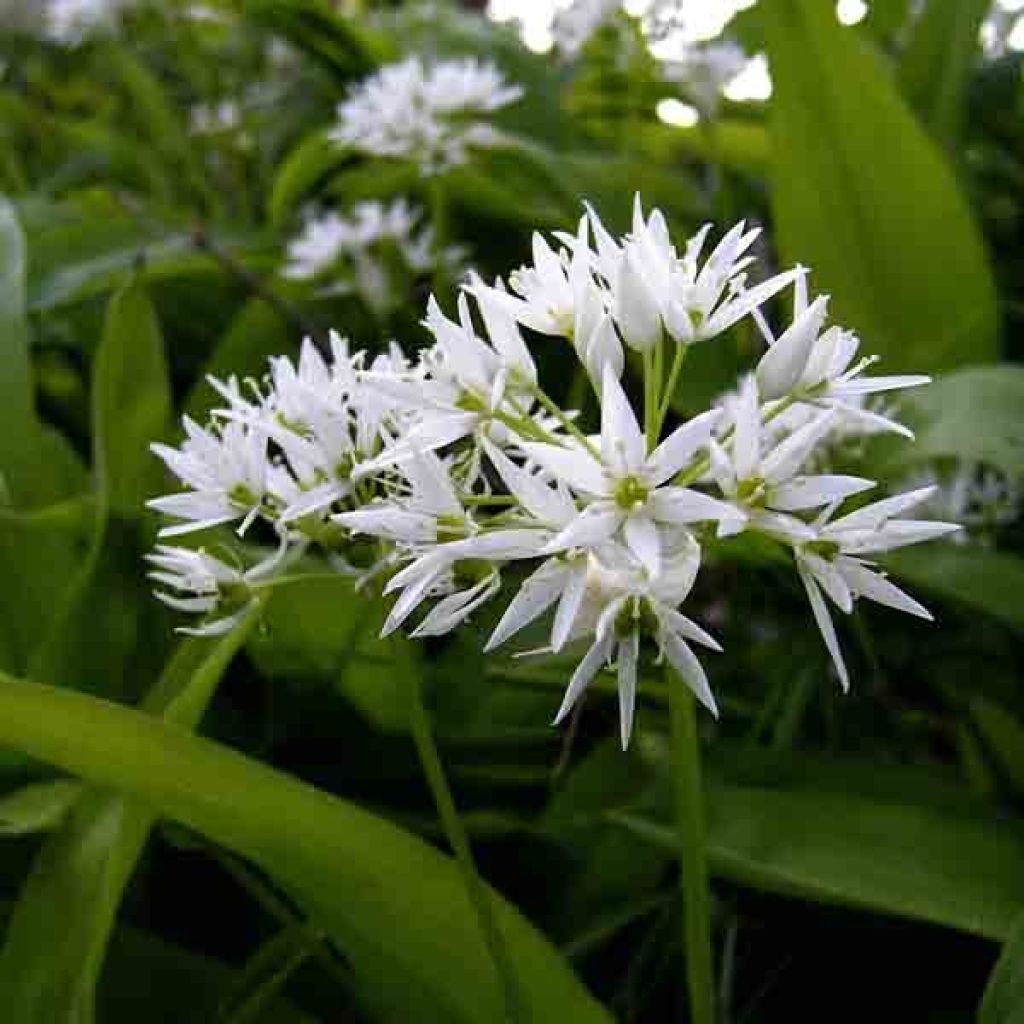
368, 251
436, 476
432, 115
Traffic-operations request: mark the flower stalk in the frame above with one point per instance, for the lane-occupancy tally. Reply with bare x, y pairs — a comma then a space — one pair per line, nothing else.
455, 834
693, 858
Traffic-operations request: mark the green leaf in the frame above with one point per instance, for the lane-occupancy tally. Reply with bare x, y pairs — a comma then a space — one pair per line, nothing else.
1003, 1001
866, 199
131, 398
937, 63
394, 905
62, 923
38, 807
968, 575
307, 166
1003, 735
943, 866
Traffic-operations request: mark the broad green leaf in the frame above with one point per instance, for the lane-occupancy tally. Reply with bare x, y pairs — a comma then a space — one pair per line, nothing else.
937, 63
866, 199
973, 415
1003, 1001
976, 578
912, 860
394, 905
62, 923
37, 807
131, 403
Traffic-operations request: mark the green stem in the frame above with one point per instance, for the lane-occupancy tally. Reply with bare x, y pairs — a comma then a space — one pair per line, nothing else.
692, 851
670, 387
559, 414
455, 833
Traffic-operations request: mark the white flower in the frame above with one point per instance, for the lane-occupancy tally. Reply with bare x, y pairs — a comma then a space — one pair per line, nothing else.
654, 289
830, 562
623, 487
573, 26
199, 583
432, 115
621, 606
819, 368
225, 468
71, 22
761, 475
706, 69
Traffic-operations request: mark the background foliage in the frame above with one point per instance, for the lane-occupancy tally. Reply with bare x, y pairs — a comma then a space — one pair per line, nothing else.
286, 865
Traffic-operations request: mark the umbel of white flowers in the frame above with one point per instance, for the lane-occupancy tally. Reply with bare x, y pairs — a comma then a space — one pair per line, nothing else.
433, 115
434, 475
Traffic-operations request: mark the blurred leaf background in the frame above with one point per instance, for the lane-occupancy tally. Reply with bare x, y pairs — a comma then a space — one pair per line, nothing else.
286, 864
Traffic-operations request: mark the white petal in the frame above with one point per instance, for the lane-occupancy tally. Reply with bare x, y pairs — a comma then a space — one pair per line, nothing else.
737, 308
782, 365
568, 607
875, 587
681, 445
390, 522
538, 593
746, 442
585, 671
688, 668
872, 516
804, 492
576, 467
636, 307
642, 539
456, 608
629, 653
786, 458
828, 577
679, 623
897, 534
622, 440
824, 621
550, 505
594, 525
681, 505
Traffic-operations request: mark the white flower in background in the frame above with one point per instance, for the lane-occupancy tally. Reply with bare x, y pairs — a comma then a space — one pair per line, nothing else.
981, 498
433, 115
435, 475
706, 69
831, 563
573, 26
220, 118
366, 251
71, 22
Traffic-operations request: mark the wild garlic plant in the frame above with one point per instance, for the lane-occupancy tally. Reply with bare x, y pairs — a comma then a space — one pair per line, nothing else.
434, 474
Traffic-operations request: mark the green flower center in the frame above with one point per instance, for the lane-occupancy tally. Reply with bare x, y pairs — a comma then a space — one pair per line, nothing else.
631, 493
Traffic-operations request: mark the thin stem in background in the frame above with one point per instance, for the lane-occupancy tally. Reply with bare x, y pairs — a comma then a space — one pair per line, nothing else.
693, 862
455, 833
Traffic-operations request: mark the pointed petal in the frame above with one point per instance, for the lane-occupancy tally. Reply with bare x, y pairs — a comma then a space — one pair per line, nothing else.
568, 607
688, 668
746, 444
803, 492
875, 587
824, 621
641, 535
629, 654
681, 445
622, 440
682, 505
585, 671
592, 527
574, 466
783, 364
538, 593
786, 458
